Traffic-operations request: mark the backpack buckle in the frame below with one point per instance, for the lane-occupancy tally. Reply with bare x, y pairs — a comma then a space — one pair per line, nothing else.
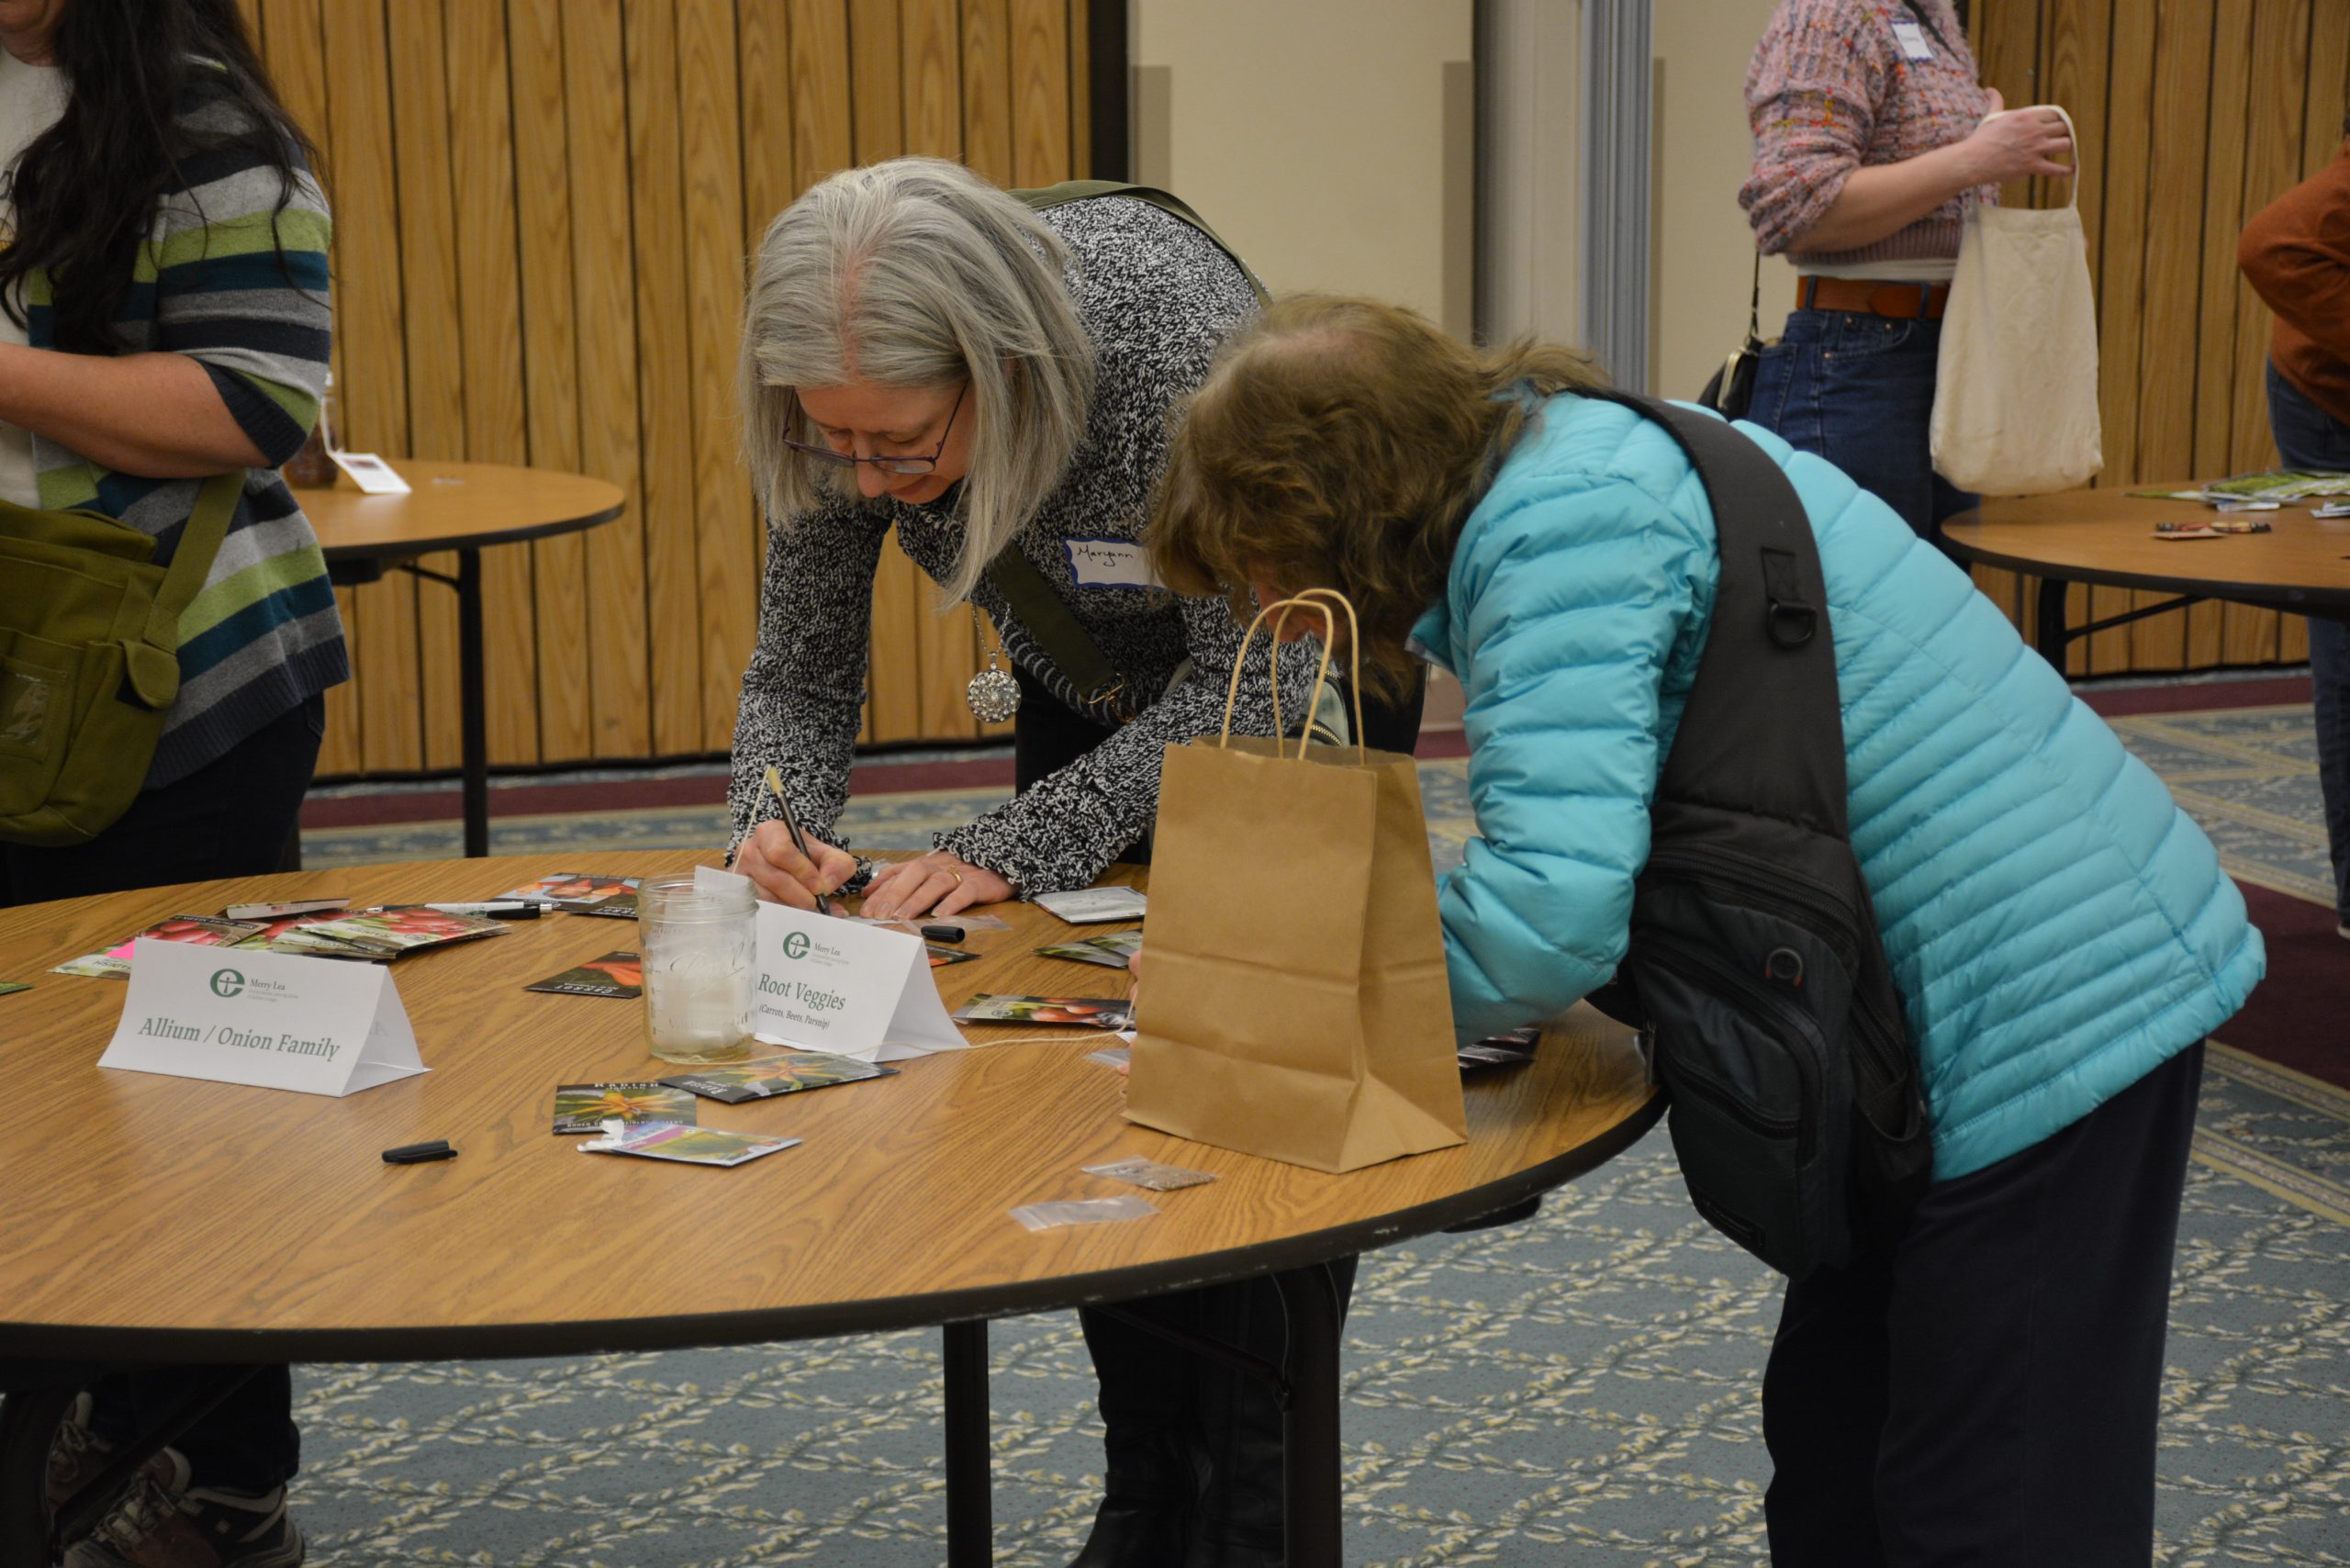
1790, 620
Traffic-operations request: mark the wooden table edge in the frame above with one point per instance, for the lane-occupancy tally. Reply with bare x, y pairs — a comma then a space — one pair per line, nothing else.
389, 549
1056, 1293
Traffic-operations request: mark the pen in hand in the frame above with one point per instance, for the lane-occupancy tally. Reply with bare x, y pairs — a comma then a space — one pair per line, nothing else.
791, 825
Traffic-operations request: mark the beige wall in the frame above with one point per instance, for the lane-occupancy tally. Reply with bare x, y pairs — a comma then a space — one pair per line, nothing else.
1703, 254
1318, 136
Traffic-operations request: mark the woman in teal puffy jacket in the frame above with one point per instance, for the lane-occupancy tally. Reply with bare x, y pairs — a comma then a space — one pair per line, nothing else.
1985, 1391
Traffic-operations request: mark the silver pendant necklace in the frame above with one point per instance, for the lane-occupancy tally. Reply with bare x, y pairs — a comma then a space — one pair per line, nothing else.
992, 695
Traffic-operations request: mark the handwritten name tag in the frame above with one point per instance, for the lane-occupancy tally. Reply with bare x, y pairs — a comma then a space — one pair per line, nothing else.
855, 990
1108, 563
273, 1020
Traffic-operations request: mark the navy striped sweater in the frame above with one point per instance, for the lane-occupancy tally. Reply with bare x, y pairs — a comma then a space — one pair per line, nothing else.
227, 278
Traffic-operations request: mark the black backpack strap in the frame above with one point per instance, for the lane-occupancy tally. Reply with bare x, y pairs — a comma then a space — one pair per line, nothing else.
1044, 197
1762, 730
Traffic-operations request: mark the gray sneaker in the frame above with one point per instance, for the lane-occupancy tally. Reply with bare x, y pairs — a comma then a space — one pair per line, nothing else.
160, 1521
76, 1454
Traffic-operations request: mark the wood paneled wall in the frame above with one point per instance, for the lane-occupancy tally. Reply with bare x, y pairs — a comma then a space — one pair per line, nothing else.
543, 213
2193, 115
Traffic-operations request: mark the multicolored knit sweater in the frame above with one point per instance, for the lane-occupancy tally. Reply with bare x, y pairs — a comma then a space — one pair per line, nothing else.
1830, 90
228, 279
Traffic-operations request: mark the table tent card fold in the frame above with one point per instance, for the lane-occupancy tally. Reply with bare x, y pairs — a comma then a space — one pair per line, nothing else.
853, 990
272, 1020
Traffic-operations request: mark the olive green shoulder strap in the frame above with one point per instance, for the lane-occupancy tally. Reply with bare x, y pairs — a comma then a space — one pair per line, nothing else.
1044, 197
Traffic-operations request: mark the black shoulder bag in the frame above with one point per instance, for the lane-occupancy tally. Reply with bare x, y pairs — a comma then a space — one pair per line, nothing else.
1796, 1105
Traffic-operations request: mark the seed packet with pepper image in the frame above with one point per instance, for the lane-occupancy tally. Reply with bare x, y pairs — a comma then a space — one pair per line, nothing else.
199, 930
586, 1107
614, 974
1095, 1012
770, 1073
388, 932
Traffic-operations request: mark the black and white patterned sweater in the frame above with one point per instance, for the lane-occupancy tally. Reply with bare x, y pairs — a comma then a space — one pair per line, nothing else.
1157, 299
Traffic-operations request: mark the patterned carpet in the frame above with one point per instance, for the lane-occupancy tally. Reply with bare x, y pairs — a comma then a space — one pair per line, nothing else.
1579, 1389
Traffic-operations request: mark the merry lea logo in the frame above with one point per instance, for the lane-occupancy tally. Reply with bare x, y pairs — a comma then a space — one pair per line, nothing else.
227, 982
795, 944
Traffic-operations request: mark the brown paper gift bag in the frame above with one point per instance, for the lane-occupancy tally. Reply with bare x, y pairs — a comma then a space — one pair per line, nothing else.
1294, 1003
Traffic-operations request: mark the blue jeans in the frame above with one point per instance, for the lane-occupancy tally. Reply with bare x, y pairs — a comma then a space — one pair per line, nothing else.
2309, 437
1859, 391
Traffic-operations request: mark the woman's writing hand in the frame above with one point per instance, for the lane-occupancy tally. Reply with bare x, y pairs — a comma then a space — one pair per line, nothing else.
783, 874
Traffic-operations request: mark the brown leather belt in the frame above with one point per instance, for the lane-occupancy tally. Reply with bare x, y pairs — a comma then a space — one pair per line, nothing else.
1871, 297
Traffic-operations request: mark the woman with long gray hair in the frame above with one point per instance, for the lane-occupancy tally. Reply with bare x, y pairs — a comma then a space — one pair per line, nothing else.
923, 351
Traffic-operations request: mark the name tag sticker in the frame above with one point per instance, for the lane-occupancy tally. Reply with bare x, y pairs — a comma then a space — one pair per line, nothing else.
1108, 563
273, 1020
857, 991
1912, 39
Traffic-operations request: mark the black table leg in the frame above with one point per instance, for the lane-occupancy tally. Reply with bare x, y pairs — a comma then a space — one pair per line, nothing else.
474, 709
1311, 1421
971, 1525
2050, 635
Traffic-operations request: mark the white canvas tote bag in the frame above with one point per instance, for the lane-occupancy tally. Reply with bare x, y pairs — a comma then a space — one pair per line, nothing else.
2014, 390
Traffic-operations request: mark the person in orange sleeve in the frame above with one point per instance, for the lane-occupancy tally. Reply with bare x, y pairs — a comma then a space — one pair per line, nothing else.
2296, 255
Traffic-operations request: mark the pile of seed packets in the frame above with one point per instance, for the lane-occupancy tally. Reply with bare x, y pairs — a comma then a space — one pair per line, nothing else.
377, 935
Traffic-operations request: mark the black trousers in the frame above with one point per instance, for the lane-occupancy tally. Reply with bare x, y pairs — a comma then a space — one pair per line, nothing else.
1985, 1396
235, 817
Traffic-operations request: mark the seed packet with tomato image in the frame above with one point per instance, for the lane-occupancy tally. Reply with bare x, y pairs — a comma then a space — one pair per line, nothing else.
614, 974
586, 1107
1094, 1011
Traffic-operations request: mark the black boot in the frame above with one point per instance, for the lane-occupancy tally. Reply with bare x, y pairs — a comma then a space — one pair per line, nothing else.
1242, 1516
1150, 1479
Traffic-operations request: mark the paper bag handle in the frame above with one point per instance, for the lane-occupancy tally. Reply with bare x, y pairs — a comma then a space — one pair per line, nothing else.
1311, 599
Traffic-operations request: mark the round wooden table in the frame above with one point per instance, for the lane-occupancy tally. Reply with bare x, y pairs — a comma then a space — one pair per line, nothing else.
2302, 565
167, 1219
464, 507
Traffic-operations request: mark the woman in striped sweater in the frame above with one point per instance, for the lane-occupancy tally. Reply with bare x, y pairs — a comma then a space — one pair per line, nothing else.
165, 284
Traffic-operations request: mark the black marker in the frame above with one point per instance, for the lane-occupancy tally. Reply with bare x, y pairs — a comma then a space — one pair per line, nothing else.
419, 1153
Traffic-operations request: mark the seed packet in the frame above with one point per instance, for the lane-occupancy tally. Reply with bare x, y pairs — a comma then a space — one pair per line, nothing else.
199, 930
1111, 951
277, 927
8, 986
1087, 906
614, 974
1095, 1012
1512, 1048
581, 892
268, 911
586, 1107
1120, 1056
1083, 1211
690, 1146
776, 1072
940, 955
1149, 1173
388, 932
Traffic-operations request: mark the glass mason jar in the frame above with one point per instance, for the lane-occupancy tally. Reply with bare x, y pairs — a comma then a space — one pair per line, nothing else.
698, 961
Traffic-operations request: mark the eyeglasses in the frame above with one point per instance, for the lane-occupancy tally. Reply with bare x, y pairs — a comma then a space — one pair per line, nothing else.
888, 463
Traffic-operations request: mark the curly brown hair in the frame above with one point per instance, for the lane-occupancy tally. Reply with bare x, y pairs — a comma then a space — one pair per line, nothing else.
1341, 443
